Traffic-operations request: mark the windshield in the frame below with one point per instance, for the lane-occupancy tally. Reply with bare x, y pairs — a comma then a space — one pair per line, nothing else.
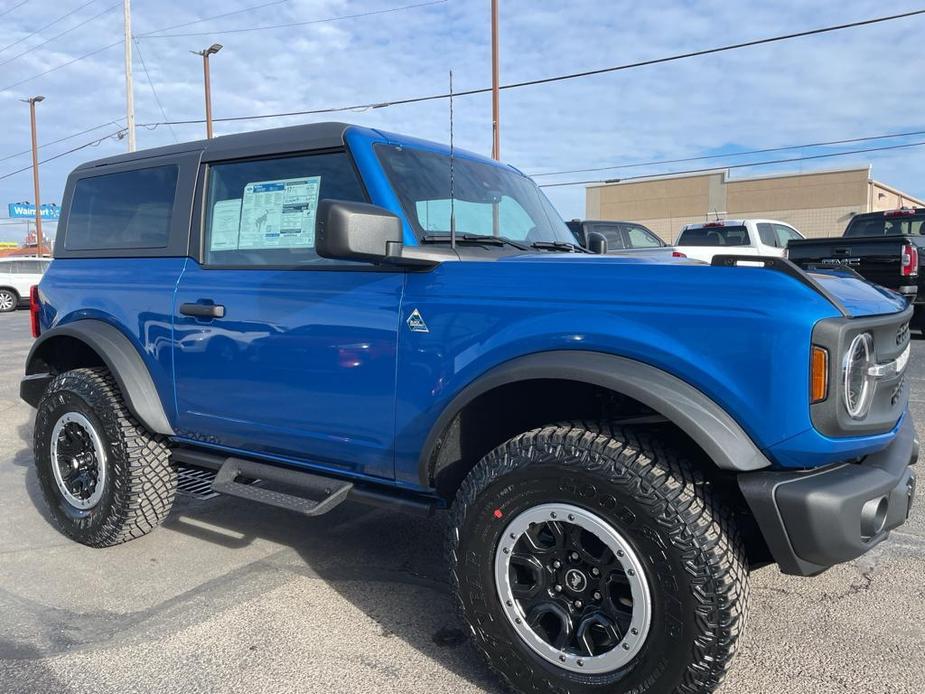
714, 236
896, 225
487, 200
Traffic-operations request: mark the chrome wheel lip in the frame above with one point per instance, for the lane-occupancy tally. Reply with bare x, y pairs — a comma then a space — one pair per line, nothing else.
99, 451
634, 639
6, 301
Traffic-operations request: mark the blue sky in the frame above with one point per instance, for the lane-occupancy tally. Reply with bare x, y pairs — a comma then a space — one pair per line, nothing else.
853, 83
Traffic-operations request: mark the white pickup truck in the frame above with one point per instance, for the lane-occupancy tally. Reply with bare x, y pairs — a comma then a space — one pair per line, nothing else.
735, 237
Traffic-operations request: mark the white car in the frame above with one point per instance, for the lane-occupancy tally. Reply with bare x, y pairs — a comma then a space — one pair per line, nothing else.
17, 275
736, 237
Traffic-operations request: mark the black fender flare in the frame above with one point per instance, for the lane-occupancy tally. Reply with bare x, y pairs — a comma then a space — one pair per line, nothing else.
119, 355
709, 425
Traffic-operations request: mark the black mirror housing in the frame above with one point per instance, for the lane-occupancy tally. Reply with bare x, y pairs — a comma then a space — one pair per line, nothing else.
597, 243
346, 230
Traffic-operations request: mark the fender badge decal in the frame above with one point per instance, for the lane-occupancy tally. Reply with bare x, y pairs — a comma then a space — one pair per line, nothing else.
416, 322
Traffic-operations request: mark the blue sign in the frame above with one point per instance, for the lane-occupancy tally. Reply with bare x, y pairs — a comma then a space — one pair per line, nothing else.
26, 210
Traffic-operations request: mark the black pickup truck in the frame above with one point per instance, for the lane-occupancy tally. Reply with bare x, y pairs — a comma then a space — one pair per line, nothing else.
887, 248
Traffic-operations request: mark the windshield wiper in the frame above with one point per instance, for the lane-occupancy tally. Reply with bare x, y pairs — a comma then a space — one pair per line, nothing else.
559, 246
475, 238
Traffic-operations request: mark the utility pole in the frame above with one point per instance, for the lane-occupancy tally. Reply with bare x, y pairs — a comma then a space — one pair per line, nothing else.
32, 101
205, 53
495, 81
129, 88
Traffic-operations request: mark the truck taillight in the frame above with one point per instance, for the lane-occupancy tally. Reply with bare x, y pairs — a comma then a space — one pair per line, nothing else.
34, 310
910, 261
678, 254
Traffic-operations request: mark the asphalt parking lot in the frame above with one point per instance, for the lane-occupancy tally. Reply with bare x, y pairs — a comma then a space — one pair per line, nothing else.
233, 597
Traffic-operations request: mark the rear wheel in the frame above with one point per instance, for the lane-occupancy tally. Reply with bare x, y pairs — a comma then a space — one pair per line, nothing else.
589, 558
105, 478
8, 300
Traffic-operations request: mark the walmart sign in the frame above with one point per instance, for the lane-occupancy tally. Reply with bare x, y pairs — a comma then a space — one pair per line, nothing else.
26, 210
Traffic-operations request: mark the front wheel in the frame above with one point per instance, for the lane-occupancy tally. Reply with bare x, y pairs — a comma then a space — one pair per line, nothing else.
594, 559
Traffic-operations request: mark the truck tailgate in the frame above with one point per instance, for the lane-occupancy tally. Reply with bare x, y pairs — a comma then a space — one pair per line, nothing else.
876, 258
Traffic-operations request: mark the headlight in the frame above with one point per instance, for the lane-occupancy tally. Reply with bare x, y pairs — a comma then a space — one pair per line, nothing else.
858, 386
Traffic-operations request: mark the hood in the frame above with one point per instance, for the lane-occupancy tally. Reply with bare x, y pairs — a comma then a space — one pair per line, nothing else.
858, 296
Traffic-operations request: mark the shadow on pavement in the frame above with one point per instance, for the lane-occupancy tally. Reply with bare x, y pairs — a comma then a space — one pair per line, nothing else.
349, 548
24, 458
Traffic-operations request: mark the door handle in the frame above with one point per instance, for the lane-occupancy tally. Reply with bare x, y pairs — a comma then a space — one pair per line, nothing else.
203, 310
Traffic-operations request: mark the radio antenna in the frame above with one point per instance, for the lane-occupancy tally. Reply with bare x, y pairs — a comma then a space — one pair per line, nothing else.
452, 182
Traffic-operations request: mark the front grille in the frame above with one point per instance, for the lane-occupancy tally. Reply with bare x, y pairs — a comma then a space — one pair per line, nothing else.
891, 336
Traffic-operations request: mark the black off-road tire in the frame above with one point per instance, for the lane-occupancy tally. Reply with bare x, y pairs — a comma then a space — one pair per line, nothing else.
681, 530
140, 483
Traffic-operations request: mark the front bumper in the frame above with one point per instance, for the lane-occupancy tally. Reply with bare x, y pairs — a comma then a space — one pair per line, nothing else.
813, 520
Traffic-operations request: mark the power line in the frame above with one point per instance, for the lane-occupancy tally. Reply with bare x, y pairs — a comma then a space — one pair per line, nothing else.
153, 90
93, 143
14, 7
66, 31
147, 34
62, 139
735, 166
58, 67
43, 28
297, 24
559, 78
730, 154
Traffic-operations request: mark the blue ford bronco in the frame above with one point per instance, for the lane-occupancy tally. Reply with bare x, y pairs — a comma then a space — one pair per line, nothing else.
328, 312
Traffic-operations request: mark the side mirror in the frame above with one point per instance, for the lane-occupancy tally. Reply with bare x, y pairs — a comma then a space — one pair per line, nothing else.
597, 243
346, 230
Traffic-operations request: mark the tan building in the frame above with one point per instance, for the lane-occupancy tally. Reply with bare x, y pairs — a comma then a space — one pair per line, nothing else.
818, 203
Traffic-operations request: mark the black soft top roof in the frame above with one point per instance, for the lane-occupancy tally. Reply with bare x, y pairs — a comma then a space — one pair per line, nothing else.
275, 140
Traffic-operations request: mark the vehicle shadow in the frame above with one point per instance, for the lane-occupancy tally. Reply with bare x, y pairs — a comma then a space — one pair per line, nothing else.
387, 565
24, 458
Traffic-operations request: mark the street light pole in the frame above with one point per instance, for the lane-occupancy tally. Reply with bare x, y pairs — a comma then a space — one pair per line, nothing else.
129, 84
205, 53
32, 101
495, 81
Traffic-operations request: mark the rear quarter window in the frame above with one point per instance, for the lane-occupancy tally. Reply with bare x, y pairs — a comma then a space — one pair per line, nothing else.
714, 236
911, 225
122, 211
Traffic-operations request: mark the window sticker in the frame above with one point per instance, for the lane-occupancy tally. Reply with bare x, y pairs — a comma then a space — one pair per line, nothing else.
226, 224
279, 214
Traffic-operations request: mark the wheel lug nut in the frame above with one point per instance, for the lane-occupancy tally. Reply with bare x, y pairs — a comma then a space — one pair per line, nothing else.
631, 572
574, 556
626, 646
597, 596
557, 588
620, 552
562, 658
595, 571
635, 631
509, 603
553, 515
556, 564
581, 663
506, 550
578, 604
571, 517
